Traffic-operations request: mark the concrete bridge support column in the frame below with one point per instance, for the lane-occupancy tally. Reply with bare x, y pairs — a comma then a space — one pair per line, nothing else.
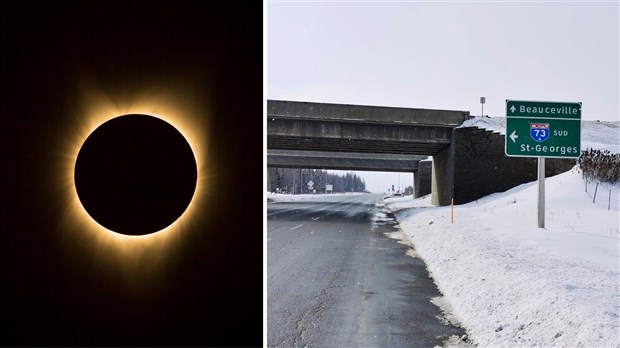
422, 179
443, 177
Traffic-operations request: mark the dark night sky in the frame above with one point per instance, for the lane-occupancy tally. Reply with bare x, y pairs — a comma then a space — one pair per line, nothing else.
210, 291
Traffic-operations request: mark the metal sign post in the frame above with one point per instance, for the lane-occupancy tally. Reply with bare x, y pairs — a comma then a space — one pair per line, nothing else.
541, 192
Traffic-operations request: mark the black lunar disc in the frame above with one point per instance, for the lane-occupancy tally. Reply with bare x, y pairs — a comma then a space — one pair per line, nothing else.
135, 174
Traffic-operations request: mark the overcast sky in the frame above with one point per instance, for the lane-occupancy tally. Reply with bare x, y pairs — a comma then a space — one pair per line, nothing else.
445, 55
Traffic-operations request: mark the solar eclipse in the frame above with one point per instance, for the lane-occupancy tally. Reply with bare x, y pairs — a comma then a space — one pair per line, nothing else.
90, 223
135, 174
79, 270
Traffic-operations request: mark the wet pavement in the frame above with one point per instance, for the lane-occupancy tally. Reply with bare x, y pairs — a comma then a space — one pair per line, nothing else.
335, 279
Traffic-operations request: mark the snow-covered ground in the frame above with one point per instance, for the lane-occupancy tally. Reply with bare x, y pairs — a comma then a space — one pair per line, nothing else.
510, 283
598, 135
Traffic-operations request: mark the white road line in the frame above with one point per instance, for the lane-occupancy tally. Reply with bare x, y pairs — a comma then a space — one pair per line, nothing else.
298, 226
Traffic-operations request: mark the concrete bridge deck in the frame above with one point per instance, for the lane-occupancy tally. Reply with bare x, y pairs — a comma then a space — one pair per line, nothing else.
343, 160
357, 128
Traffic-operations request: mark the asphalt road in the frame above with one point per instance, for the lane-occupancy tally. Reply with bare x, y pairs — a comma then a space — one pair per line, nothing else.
336, 280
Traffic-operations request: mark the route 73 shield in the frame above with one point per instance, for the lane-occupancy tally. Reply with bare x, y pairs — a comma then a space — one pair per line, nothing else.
539, 131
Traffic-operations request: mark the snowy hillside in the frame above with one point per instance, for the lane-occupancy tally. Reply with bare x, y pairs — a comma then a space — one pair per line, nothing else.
598, 135
510, 283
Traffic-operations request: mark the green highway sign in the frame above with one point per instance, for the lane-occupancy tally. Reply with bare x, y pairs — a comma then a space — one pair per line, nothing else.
543, 129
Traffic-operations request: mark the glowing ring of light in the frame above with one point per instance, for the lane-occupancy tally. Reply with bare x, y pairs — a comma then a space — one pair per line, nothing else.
185, 111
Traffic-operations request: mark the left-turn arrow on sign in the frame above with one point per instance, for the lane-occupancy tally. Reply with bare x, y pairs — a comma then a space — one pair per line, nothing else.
514, 136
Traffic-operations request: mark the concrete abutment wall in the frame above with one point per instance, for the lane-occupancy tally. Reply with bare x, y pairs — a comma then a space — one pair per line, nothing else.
482, 167
475, 165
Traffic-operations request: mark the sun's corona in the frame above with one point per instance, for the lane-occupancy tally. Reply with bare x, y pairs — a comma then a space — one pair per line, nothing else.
183, 109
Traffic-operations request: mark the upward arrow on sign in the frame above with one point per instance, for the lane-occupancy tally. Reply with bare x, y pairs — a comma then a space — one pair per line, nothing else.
513, 109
